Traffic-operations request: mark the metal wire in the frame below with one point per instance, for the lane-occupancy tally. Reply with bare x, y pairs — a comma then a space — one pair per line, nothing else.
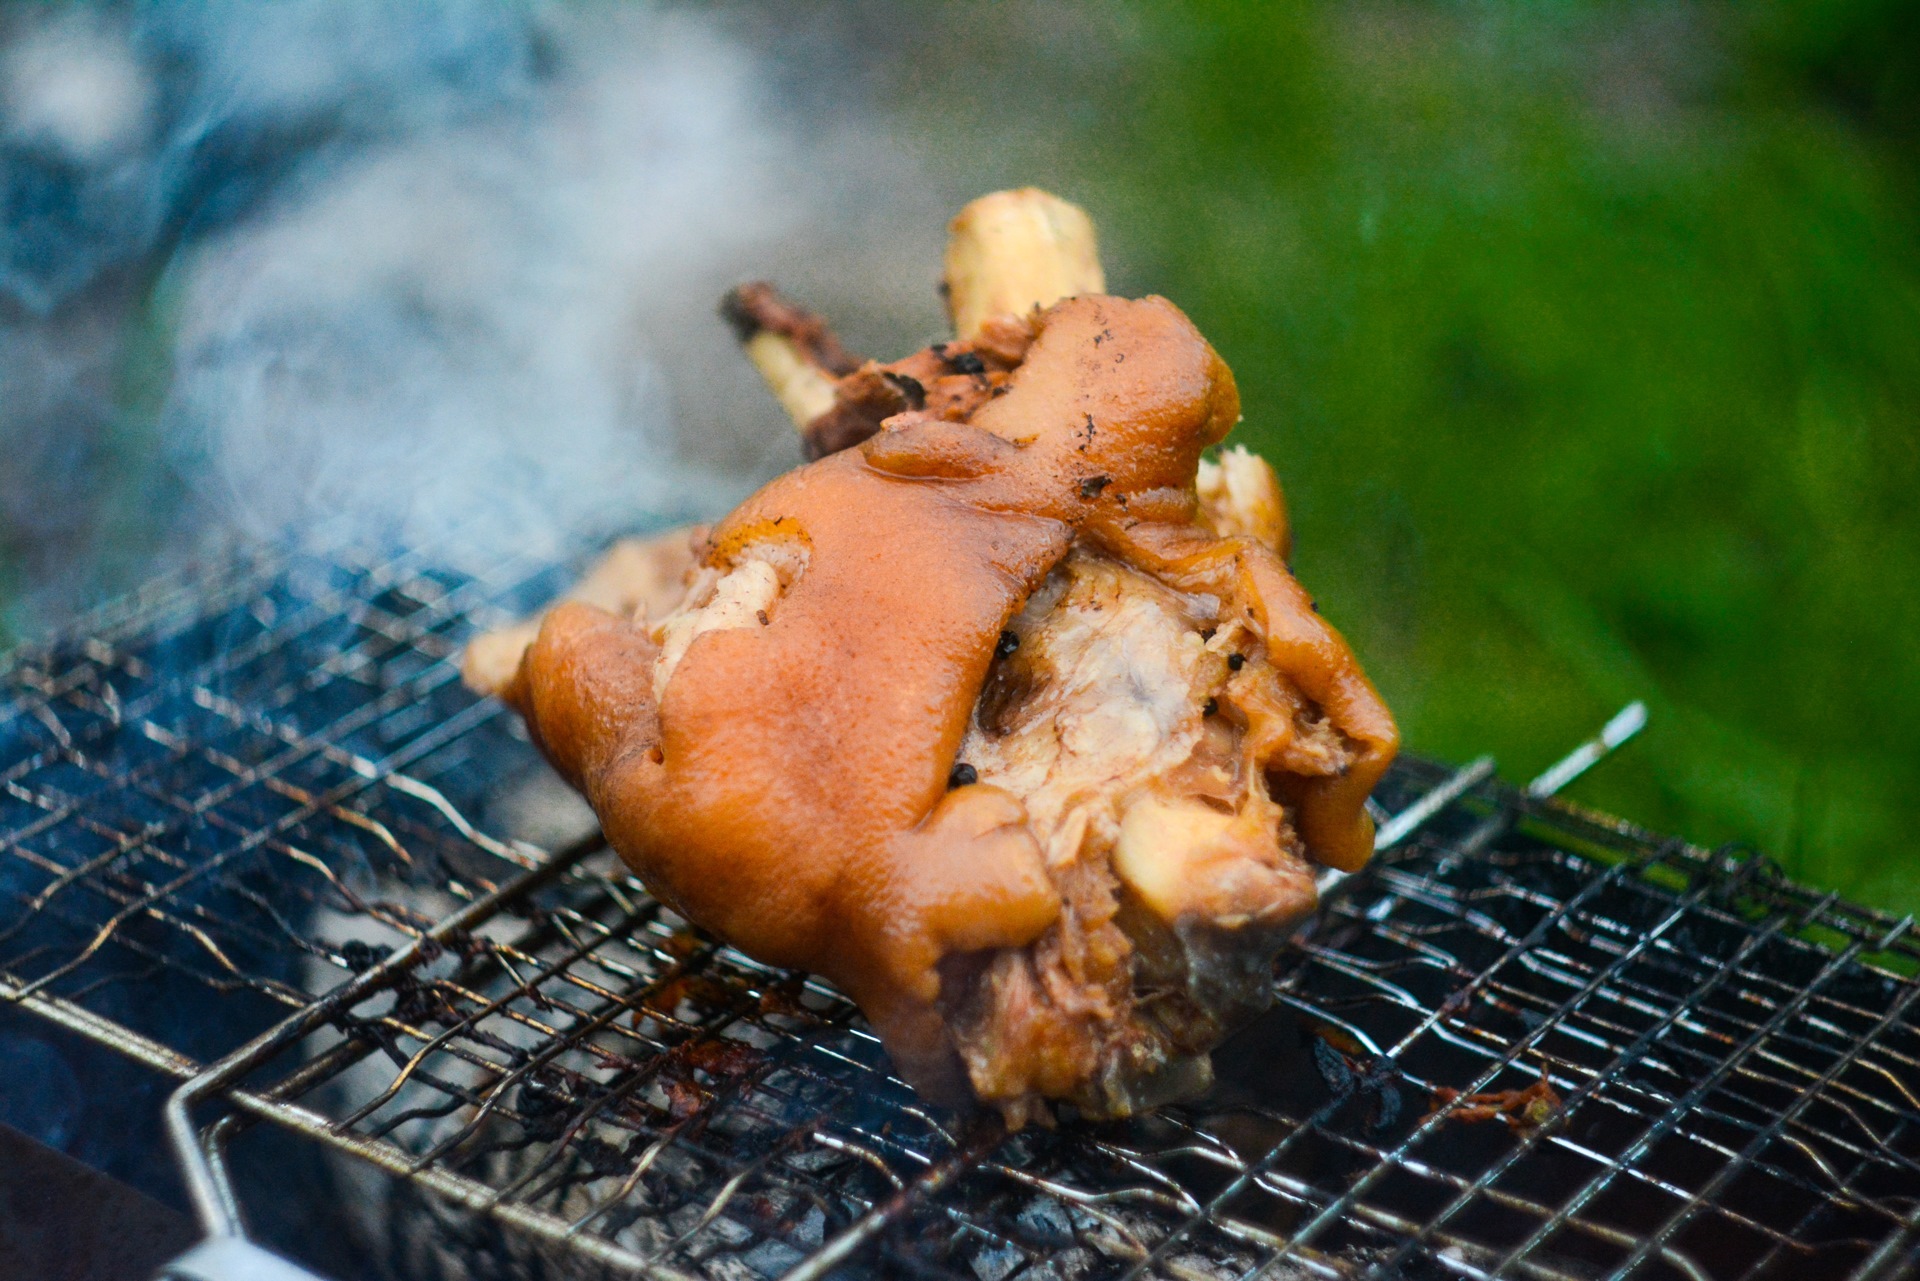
1527, 1042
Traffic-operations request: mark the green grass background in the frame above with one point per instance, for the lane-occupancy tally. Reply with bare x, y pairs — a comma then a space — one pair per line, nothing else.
1586, 339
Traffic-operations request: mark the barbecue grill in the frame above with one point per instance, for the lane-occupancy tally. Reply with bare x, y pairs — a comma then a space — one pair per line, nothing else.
267, 789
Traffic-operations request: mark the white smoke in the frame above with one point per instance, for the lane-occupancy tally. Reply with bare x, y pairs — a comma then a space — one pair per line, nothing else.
485, 332
74, 86
434, 271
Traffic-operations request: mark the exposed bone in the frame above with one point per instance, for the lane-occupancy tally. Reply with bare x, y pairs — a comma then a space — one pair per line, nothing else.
1013, 251
1007, 253
757, 307
637, 576
793, 349
802, 390
1240, 495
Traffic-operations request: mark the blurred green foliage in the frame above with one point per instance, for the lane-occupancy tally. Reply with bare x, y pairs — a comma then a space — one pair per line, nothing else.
1586, 340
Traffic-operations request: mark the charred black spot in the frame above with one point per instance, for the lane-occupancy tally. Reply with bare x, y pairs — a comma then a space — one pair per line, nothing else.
1008, 642
909, 387
359, 955
1092, 485
545, 1106
739, 314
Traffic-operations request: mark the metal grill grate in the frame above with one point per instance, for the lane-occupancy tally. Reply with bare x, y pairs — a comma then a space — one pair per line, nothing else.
267, 801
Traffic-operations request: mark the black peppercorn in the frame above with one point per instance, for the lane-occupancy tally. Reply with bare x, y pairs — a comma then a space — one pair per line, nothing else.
964, 775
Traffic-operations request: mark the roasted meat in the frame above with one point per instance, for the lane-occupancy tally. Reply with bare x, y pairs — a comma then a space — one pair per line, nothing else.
1004, 714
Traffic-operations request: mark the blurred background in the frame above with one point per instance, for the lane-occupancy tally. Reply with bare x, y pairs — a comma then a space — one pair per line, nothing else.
1585, 336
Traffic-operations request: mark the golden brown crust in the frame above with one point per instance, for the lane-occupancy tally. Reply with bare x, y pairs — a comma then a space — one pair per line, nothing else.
789, 788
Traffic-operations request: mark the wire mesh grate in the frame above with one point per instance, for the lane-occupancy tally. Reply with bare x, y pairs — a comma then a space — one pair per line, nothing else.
196, 796
1528, 1042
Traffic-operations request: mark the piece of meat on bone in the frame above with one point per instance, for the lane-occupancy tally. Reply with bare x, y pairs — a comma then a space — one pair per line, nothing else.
991, 717
1118, 716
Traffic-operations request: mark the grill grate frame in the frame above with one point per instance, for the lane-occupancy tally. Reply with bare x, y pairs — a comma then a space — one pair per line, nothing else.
250, 790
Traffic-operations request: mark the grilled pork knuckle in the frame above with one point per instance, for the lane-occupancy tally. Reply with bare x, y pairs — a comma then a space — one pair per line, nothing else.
990, 719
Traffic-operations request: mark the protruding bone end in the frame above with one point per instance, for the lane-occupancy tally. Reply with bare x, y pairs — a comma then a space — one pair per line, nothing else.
1013, 251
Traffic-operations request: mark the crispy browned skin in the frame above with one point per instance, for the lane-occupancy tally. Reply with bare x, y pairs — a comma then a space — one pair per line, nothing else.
789, 791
